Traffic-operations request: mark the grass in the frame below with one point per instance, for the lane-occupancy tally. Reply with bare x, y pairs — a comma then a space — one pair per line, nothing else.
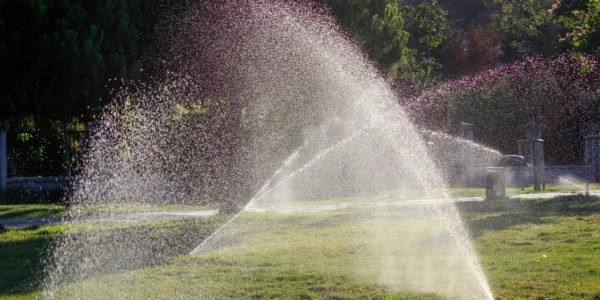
529, 249
552, 188
305, 255
532, 256
573, 204
225, 280
261, 274
23, 251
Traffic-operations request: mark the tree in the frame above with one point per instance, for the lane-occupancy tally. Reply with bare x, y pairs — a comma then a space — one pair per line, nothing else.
59, 62
464, 12
57, 56
429, 26
528, 26
475, 50
561, 93
378, 26
581, 18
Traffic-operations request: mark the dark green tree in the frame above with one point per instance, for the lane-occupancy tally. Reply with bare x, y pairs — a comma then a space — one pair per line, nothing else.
528, 25
378, 26
58, 57
428, 28
59, 61
463, 12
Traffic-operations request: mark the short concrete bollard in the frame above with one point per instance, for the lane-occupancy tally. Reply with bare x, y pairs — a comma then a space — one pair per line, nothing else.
495, 186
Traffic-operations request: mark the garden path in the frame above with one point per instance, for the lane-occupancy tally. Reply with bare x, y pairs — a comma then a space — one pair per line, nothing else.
24, 223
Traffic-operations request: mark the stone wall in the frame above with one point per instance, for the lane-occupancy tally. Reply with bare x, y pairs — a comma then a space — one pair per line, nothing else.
571, 174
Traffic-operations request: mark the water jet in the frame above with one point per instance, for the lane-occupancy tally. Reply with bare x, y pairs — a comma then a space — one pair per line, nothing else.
270, 101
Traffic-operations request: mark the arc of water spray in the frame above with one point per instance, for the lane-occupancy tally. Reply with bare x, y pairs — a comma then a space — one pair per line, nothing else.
266, 190
263, 192
317, 157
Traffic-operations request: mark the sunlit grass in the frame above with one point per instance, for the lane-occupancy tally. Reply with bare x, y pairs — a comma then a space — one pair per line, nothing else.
571, 204
279, 256
28, 211
529, 248
372, 251
540, 257
528, 189
195, 278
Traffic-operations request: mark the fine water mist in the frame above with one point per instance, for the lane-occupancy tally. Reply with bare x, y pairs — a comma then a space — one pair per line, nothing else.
268, 104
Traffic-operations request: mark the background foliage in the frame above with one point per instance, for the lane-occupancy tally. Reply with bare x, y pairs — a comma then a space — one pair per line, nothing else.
61, 60
561, 93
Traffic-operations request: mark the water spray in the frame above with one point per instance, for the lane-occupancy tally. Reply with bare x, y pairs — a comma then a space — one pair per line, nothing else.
292, 157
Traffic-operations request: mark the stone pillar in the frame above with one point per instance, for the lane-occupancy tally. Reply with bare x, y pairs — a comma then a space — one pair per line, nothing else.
532, 149
592, 154
465, 131
4, 127
67, 157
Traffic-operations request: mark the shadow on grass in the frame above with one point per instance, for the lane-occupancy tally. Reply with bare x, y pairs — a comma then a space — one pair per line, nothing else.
97, 252
504, 213
22, 264
500, 222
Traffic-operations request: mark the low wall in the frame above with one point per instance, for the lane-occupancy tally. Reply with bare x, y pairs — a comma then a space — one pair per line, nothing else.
570, 174
37, 183
558, 174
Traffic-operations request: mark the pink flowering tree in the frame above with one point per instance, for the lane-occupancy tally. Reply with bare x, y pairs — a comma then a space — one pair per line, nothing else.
560, 93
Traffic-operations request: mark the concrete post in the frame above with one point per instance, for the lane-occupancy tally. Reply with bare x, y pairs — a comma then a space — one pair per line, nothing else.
67, 158
4, 127
465, 131
538, 165
532, 149
592, 154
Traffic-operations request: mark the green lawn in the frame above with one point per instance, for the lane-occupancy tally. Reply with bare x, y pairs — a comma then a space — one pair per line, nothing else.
23, 251
29, 211
529, 249
22, 254
540, 256
339, 254
189, 278
538, 248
